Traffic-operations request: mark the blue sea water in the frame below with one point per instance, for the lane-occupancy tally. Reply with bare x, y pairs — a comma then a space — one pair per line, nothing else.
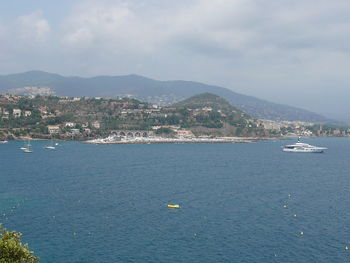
86, 203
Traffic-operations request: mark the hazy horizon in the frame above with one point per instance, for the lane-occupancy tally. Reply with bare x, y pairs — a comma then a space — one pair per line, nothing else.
294, 53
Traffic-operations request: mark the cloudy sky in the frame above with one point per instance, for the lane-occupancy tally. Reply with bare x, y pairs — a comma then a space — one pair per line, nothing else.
286, 51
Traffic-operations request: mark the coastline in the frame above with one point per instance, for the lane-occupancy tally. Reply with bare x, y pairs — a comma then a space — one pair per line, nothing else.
161, 140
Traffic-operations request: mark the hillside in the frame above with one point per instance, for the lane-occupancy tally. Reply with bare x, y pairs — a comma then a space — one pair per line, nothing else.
211, 114
205, 100
145, 89
215, 102
76, 118
84, 118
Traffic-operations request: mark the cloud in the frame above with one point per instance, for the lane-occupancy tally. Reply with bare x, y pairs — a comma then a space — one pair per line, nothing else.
114, 28
118, 25
211, 28
270, 49
24, 42
32, 27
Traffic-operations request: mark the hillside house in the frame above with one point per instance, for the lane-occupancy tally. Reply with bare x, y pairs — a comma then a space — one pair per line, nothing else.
5, 114
69, 124
27, 113
53, 129
16, 113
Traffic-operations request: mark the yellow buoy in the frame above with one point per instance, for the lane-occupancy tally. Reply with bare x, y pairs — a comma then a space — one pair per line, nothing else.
173, 206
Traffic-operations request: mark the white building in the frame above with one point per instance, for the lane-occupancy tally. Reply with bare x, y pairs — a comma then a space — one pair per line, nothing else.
17, 113
53, 129
69, 124
27, 113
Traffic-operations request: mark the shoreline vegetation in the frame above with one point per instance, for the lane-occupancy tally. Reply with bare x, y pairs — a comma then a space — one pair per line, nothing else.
202, 118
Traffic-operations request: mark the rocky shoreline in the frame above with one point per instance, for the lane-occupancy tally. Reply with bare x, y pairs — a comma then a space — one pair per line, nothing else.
161, 140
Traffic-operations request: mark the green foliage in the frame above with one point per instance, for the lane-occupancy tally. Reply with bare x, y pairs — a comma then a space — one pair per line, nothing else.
164, 131
12, 250
206, 114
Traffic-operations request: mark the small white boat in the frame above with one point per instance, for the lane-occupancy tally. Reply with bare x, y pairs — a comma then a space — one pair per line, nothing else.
303, 148
50, 147
26, 145
26, 148
3, 141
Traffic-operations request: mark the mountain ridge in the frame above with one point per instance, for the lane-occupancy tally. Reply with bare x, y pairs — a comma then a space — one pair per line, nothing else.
154, 91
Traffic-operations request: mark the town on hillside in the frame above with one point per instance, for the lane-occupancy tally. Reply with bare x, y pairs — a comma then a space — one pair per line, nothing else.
83, 118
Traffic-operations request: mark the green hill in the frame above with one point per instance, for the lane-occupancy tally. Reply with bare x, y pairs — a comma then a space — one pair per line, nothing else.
208, 100
211, 114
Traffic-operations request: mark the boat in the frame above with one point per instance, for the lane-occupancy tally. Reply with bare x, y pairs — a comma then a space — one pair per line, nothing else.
3, 141
303, 148
173, 206
26, 148
51, 146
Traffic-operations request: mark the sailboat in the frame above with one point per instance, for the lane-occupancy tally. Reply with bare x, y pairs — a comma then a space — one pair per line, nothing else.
27, 148
51, 146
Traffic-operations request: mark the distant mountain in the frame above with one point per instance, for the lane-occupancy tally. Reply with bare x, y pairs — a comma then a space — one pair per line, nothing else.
154, 91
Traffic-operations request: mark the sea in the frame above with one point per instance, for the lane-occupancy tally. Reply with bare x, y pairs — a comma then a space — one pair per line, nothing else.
240, 202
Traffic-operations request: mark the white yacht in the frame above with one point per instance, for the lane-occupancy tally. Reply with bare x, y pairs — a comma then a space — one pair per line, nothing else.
300, 147
51, 146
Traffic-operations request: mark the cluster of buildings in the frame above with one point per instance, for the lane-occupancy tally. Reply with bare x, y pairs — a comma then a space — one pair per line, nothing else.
72, 128
15, 113
12, 112
33, 91
299, 128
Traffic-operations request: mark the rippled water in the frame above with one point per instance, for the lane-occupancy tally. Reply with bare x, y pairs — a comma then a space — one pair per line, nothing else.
87, 203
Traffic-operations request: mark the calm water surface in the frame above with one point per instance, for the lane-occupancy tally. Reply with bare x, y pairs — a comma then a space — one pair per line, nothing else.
87, 203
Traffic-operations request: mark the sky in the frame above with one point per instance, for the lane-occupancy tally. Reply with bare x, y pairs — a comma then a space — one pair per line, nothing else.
285, 51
